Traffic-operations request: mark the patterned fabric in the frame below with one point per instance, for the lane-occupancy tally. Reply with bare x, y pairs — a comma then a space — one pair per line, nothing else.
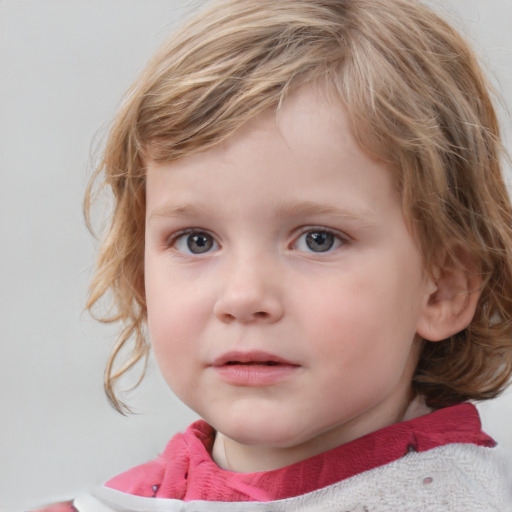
186, 471
451, 478
439, 461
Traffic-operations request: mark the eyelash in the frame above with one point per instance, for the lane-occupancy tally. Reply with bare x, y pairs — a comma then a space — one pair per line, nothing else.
335, 239
183, 236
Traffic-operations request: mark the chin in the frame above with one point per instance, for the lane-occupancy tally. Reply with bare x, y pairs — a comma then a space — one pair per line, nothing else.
261, 432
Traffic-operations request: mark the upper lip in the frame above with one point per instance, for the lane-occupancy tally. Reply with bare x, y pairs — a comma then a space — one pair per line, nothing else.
254, 356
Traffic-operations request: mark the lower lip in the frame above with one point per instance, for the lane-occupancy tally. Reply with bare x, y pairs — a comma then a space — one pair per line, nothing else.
255, 375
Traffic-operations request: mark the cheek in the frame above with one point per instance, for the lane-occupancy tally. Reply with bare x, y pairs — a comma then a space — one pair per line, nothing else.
172, 301
363, 318
172, 321
172, 324
173, 347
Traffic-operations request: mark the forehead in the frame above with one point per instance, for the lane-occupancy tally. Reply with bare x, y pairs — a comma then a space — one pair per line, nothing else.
311, 120
302, 153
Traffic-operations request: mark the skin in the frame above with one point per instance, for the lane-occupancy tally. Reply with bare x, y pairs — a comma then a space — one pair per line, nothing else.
343, 313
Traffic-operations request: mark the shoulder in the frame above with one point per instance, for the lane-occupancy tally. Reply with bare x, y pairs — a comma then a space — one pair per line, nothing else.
451, 477
167, 473
489, 469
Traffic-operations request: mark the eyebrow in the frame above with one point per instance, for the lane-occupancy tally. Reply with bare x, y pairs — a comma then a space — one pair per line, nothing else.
298, 208
174, 210
289, 209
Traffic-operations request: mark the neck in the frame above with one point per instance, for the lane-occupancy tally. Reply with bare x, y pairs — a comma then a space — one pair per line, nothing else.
241, 458
233, 456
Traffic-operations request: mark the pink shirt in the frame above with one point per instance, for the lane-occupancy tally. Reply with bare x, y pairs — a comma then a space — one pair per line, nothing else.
186, 471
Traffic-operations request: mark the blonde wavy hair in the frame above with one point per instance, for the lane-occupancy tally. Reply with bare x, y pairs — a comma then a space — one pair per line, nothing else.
417, 100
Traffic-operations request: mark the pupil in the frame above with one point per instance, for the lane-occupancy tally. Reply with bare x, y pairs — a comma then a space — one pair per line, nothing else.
199, 243
320, 241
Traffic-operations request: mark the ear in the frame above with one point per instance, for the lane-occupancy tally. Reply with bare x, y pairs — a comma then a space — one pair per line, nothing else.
452, 297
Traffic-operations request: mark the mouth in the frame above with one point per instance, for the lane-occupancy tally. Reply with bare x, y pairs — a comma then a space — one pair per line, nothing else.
255, 358
253, 363
253, 369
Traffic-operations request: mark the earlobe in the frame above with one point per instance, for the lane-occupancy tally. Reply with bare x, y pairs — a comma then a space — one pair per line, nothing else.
452, 299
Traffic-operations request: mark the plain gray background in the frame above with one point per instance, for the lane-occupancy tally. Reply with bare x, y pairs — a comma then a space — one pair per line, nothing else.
64, 67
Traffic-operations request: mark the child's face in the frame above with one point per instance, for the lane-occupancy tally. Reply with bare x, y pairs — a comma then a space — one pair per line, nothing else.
283, 286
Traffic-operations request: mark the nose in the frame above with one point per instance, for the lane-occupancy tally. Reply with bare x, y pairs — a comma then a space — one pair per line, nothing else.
249, 294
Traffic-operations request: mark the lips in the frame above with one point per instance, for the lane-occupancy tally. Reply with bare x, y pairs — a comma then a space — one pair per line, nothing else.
256, 369
253, 358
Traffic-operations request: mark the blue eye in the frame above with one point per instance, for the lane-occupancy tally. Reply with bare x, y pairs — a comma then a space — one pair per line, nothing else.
318, 240
195, 242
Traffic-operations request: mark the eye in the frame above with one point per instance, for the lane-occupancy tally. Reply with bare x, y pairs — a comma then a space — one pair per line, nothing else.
318, 240
195, 242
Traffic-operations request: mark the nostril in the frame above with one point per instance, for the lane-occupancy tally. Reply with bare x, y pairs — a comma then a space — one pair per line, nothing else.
228, 317
247, 309
249, 318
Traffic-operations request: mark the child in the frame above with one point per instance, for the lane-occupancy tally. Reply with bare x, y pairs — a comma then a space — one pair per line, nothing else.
311, 223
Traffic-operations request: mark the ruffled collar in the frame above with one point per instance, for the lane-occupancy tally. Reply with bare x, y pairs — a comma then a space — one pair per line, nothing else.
187, 472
